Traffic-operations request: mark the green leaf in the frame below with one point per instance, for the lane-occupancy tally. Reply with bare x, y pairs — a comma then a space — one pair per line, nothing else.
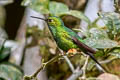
99, 39
4, 53
100, 43
99, 54
91, 64
76, 14
116, 54
60, 9
41, 6
98, 33
10, 72
2, 41
112, 21
57, 8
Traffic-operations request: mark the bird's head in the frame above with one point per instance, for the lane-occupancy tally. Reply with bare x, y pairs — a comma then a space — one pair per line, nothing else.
52, 21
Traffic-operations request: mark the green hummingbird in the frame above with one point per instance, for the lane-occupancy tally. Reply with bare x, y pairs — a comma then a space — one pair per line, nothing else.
67, 39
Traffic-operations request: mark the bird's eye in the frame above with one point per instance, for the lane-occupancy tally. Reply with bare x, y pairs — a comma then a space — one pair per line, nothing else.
50, 20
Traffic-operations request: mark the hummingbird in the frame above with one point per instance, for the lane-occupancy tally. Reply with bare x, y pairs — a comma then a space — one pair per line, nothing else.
67, 39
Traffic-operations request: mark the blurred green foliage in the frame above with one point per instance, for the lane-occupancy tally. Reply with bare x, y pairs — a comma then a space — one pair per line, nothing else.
112, 21
53, 8
38, 5
10, 72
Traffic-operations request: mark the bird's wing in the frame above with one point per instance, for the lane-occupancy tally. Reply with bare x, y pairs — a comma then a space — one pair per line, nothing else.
83, 46
72, 33
79, 41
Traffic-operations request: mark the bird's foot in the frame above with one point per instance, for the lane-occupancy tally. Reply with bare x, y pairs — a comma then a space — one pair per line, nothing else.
71, 52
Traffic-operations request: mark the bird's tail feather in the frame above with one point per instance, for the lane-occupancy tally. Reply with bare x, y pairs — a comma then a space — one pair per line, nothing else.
93, 58
87, 50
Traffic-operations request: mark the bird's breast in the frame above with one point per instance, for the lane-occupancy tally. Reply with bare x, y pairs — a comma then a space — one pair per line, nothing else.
64, 41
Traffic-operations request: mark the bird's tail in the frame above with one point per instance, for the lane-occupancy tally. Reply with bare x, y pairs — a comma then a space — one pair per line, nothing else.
93, 58
87, 50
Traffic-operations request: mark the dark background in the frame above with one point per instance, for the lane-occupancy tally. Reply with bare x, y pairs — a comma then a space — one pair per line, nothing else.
14, 14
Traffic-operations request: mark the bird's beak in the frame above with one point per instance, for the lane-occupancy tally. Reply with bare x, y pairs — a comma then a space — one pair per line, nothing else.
46, 20
39, 18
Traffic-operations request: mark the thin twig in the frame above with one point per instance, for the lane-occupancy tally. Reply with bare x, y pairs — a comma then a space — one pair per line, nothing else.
84, 68
79, 71
42, 67
108, 61
76, 74
69, 63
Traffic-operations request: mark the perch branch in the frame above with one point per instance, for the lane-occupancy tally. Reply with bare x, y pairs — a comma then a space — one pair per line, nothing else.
76, 74
42, 67
79, 71
84, 68
69, 63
